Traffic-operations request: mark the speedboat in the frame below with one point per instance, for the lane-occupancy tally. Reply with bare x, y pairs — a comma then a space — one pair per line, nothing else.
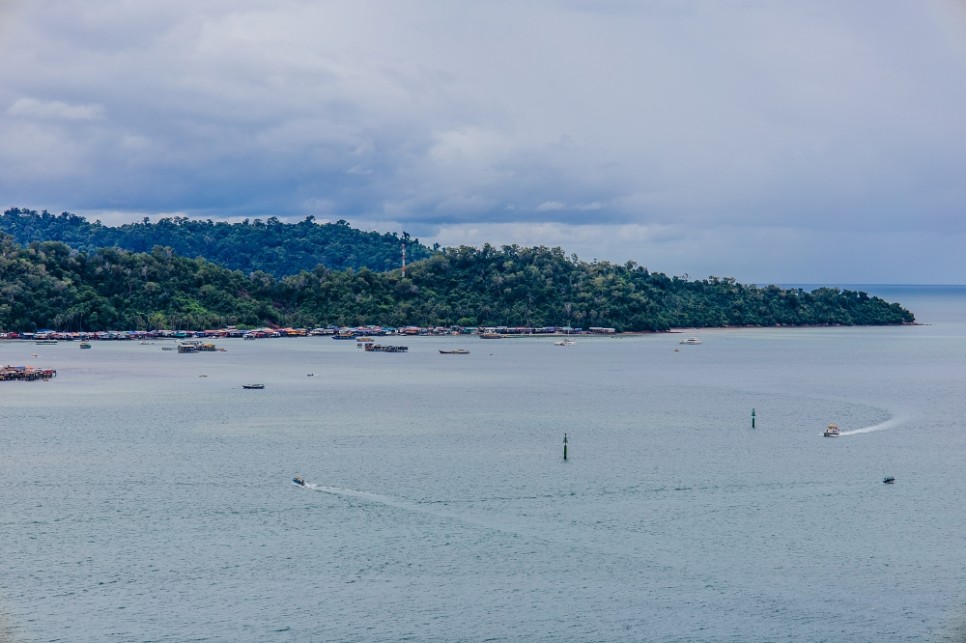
690, 340
832, 431
889, 480
298, 480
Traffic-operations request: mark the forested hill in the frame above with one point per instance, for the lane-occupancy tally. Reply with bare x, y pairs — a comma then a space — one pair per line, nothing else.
271, 246
50, 285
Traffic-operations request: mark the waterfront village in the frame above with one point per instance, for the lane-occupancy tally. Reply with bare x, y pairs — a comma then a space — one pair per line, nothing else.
192, 341
335, 332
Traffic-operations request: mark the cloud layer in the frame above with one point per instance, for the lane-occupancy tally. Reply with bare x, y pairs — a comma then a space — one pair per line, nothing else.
809, 141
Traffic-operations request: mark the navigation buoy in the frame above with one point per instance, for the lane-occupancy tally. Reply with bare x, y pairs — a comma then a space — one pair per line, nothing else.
752, 418
565, 446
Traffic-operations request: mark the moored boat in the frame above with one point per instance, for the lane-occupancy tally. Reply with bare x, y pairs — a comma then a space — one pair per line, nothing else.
690, 340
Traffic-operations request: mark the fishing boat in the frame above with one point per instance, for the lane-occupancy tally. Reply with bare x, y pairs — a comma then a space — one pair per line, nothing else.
254, 386
889, 480
832, 431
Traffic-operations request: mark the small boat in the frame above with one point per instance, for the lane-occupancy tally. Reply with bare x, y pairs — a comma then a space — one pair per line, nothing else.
565, 342
889, 480
46, 342
298, 480
255, 386
690, 340
454, 351
380, 348
832, 431
85, 344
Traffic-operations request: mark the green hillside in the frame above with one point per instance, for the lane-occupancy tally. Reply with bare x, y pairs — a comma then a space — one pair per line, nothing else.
51, 285
270, 246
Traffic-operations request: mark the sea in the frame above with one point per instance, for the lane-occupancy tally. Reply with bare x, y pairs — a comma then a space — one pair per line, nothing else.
146, 496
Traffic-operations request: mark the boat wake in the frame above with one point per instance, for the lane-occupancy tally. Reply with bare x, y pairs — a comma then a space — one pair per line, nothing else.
882, 426
503, 525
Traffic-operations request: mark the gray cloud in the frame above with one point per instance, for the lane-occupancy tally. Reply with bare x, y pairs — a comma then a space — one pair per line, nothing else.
619, 130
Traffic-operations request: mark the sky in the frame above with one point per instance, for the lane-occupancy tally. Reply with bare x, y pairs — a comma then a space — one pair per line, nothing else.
774, 141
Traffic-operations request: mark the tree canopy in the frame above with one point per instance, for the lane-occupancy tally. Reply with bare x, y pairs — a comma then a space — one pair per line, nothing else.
49, 284
268, 245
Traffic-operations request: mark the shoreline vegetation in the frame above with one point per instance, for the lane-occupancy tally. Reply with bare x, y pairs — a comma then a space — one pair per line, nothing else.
53, 275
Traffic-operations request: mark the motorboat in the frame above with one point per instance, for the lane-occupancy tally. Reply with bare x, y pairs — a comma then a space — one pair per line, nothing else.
690, 340
454, 351
298, 480
832, 431
254, 386
889, 480
565, 342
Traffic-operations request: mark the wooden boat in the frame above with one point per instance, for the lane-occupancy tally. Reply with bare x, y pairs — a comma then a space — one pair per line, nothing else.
380, 348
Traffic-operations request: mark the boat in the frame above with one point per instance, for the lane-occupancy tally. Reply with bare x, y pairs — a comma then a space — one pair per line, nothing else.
46, 342
690, 340
381, 348
85, 344
254, 386
832, 431
298, 480
565, 342
454, 351
889, 480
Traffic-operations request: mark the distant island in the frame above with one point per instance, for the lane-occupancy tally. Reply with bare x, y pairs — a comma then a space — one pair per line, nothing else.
63, 272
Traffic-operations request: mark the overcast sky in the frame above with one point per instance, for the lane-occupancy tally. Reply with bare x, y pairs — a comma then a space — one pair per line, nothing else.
779, 141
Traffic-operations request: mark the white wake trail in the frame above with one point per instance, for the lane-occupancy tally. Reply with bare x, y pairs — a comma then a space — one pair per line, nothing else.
888, 424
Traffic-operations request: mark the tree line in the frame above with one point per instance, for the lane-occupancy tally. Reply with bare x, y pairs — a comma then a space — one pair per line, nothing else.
253, 244
48, 284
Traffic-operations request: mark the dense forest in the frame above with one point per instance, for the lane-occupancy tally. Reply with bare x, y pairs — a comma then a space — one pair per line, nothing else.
51, 285
270, 246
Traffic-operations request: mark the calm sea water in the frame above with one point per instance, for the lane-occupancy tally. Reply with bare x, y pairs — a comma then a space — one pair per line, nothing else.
145, 496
